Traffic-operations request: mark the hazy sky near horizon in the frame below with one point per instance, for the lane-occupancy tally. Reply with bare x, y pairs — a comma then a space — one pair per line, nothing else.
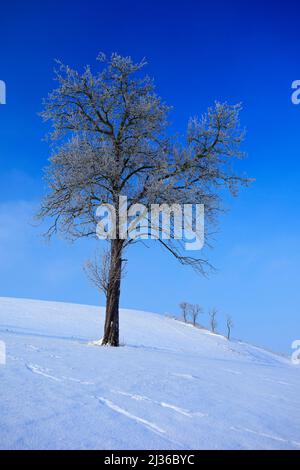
198, 52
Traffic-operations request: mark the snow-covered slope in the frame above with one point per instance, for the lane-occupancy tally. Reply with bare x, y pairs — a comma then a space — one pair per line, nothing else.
170, 386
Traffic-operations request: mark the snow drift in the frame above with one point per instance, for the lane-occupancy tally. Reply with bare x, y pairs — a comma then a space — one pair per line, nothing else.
170, 386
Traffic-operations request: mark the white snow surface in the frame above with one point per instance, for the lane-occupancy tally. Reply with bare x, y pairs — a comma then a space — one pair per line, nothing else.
171, 386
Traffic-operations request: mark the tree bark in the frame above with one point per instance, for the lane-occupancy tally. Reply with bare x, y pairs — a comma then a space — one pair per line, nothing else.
111, 326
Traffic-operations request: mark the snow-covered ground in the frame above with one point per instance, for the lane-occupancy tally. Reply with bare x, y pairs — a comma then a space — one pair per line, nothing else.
170, 386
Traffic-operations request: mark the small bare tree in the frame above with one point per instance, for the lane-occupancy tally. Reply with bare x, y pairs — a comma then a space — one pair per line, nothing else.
196, 310
213, 319
230, 325
97, 271
185, 310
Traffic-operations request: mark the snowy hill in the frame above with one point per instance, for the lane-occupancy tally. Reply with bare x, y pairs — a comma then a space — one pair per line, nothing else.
170, 387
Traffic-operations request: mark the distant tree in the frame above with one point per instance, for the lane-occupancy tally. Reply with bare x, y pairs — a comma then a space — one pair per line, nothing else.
112, 136
213, 319
196, 310
185, 310
230, 325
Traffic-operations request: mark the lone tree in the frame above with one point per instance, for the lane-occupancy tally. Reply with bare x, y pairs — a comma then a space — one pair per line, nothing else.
230, 325
185, 308
213, 319
196, 310
112, 140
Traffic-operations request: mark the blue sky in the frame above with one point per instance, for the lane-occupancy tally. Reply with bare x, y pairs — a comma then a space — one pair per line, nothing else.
198, 52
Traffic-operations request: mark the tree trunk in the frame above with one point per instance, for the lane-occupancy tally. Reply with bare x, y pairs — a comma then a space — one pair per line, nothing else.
111, 327
228, 332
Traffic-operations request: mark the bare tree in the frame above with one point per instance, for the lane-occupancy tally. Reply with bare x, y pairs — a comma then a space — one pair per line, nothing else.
196, 310
110, 129
185, 310
97, 271
213, 319
230, 325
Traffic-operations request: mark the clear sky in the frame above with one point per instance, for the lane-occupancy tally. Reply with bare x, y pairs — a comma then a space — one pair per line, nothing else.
198, 52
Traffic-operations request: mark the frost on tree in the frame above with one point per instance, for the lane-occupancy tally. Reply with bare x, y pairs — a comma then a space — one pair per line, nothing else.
111, 139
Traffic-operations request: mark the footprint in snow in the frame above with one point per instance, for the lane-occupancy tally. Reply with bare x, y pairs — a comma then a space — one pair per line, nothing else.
186, 376
141, 421
122, 411
232, 371
36, 369
265, 435
82, 382
163, 404
41, 371
280, 382
33, 348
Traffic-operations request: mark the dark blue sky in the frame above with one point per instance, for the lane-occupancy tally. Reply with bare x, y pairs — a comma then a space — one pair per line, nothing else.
198, 52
